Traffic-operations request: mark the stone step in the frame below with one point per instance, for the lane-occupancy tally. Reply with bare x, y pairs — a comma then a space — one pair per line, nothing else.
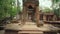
30, 23
31, 31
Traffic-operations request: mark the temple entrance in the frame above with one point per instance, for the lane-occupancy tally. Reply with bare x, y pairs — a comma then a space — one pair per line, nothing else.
31, 13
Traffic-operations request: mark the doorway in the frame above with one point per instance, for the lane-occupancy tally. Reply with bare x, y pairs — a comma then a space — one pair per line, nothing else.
31, 13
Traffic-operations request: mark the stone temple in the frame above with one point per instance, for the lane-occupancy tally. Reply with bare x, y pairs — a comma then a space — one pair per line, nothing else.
33, 21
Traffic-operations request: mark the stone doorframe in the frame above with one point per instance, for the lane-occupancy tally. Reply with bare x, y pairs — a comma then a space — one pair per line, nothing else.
25, 7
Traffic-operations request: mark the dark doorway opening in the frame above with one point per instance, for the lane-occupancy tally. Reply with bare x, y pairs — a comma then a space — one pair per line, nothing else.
31, 13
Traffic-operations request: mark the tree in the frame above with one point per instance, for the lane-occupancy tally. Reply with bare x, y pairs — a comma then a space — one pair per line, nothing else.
56, 7
8, 8
47, 10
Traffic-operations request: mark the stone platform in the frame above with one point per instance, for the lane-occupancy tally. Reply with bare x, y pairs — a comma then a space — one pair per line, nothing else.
29, 28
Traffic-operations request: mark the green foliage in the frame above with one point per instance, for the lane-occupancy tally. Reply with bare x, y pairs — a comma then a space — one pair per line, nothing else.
56, 9
47, 10
8, 8
55, 1
57, 12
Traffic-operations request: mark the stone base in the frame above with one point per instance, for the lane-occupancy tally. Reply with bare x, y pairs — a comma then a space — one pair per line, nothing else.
22, 32
30, 28
28, 32
11, 32
50, 32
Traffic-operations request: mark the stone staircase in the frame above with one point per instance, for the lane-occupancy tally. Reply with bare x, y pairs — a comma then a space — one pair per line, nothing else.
30, 28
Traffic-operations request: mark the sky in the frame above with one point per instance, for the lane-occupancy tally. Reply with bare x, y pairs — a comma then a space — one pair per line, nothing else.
42, 3
45, 3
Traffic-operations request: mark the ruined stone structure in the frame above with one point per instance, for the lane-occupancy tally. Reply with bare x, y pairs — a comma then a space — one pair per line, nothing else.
29, 14
30, 10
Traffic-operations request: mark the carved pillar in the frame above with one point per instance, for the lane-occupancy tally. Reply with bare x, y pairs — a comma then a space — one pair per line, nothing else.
54, 18
24, 15
37, 16
44, 17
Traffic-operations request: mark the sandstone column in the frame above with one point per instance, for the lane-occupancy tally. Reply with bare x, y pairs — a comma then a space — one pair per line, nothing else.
44, 17
24, 15
37, 16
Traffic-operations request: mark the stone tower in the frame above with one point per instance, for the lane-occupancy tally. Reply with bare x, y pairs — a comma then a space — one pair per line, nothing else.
31, 11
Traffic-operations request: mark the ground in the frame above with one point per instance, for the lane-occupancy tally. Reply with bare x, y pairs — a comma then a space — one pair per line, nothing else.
2, 31
29, 26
